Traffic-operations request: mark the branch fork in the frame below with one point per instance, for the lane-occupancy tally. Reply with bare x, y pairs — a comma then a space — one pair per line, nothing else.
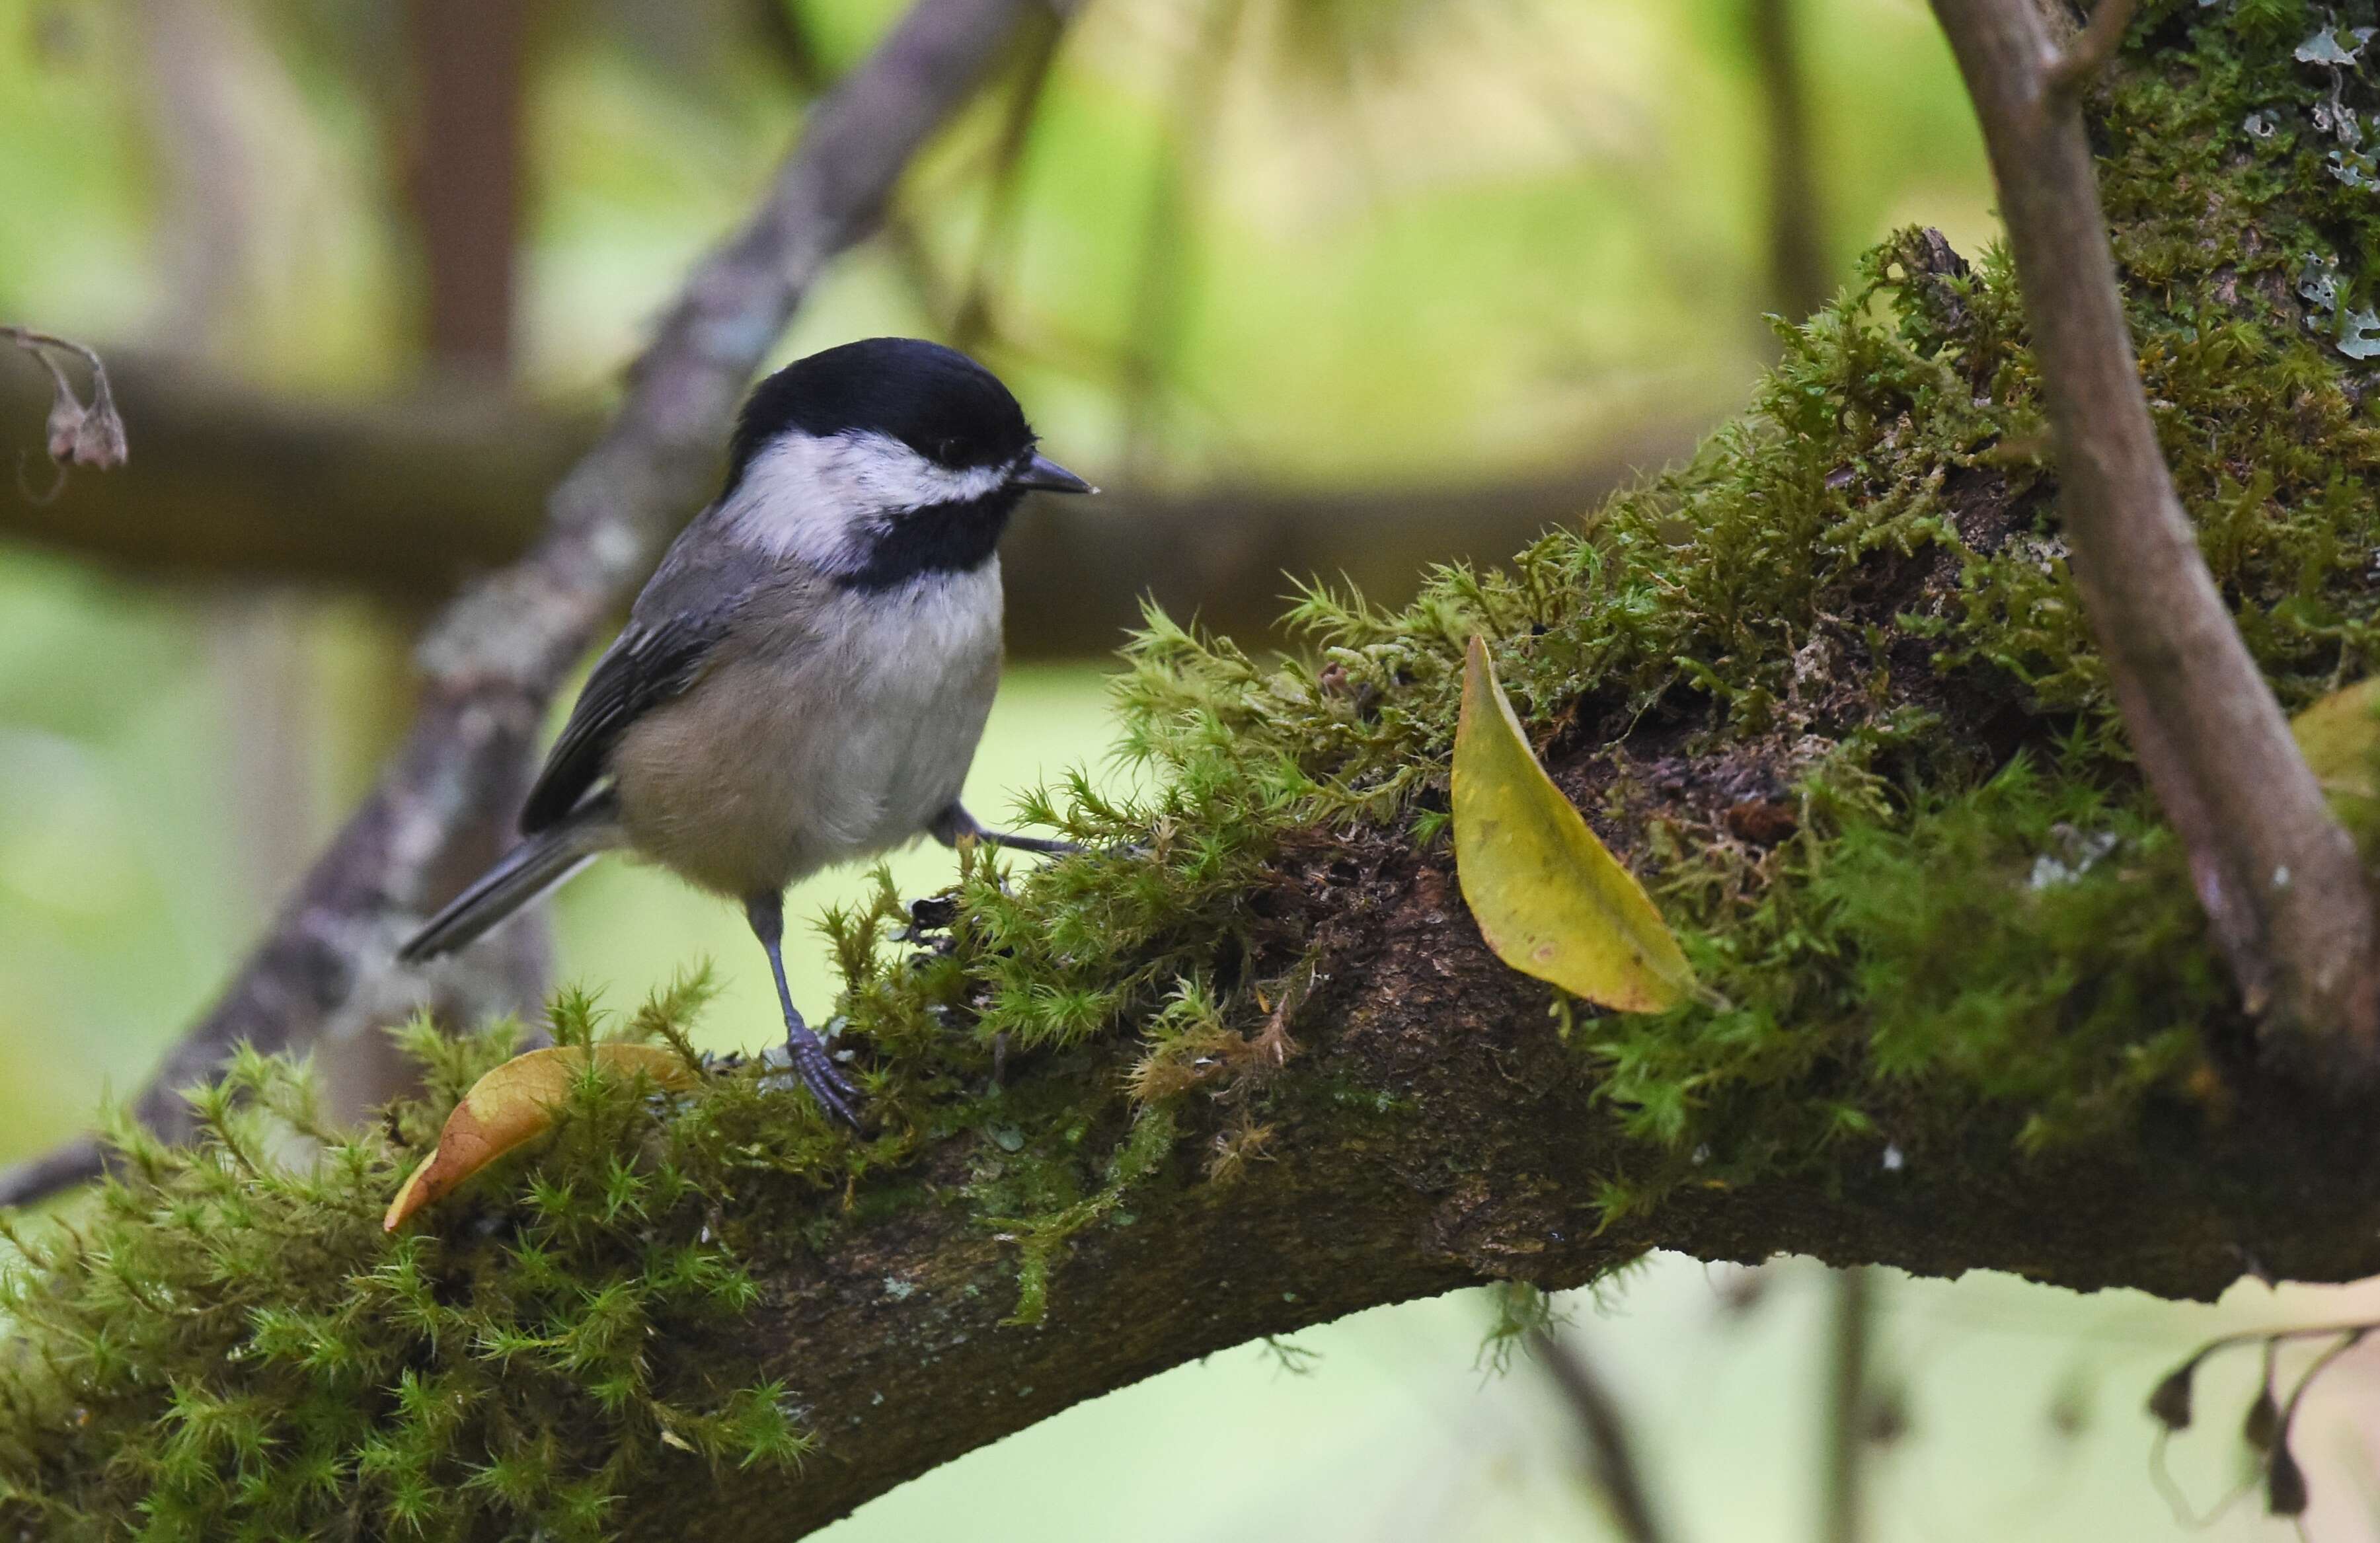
2079, 63
2281, 883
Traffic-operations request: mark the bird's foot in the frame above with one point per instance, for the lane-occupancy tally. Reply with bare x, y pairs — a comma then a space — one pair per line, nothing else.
812, 1062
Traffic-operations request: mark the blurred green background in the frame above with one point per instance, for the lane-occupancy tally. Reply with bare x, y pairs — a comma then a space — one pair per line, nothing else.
1366, 245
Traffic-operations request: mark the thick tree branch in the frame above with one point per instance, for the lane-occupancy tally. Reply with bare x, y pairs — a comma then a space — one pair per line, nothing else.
1435, 1132
1486, 1167
494, 661
2279, 878
404, 500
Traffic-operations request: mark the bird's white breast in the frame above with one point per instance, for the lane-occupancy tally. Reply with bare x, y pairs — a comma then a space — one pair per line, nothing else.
832, 748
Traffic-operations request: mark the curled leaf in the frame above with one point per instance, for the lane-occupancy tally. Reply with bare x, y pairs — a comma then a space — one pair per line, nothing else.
1549, 898
515, 1104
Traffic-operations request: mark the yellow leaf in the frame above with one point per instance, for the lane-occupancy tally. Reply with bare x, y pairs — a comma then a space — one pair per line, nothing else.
514, 1104
2337, 736
1550, 899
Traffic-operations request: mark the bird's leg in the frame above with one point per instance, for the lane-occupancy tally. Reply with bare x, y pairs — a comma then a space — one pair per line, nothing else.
955, 824
832, 1090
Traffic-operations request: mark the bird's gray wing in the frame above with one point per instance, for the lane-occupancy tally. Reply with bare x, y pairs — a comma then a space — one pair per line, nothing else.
687, 609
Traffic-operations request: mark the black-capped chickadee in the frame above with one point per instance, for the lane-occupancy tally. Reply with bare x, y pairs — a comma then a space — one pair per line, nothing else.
806, 675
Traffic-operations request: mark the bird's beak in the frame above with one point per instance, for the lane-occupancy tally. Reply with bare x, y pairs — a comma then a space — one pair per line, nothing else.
1050, 476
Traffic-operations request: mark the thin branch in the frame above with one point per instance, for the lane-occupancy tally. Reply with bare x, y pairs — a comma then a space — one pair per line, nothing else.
495, 659
972, 321
1610, 1450
2088, 54
1161, 292
1850, 1344
2283, 889
1797, 262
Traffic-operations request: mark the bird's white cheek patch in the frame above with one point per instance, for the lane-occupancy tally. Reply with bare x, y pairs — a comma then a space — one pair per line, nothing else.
815, 499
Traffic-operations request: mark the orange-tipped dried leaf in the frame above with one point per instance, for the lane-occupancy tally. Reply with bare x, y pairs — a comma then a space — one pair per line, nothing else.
1549, 898
514, 1104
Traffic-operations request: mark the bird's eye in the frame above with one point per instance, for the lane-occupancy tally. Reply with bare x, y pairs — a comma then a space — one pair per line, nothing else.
946, 451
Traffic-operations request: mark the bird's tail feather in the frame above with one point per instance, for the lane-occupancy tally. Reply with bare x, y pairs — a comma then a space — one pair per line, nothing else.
526, 872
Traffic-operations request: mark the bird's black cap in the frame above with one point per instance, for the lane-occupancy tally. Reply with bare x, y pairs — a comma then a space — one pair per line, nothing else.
935, 400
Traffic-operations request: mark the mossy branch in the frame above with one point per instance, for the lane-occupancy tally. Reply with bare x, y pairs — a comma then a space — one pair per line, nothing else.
2281, 878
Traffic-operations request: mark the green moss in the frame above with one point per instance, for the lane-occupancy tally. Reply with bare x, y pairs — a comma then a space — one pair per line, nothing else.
223, 1344
1852, 606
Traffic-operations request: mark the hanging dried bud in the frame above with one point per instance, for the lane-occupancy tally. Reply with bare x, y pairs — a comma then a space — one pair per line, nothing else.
2285, 1483
80, 433
2263, 1426
2169, 1405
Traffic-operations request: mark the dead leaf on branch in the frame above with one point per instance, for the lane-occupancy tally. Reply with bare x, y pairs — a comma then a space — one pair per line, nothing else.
1549, 898
513, 1105
2338, 736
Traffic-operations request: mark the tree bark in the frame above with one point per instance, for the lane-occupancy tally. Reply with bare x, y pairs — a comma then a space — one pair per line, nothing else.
895, 1346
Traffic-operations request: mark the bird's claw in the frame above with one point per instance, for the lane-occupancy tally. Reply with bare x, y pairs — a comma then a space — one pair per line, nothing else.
807, 1057
825, 1080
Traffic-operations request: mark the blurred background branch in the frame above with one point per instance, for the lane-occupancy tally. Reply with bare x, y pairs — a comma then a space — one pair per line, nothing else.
463, 170
1851, 1335
406, 500
1799, 276
1607, 1446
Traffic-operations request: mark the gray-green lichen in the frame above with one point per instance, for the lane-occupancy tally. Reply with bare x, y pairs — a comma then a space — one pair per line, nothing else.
1828, 686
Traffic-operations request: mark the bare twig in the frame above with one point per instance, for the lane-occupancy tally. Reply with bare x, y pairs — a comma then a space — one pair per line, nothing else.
1162, 289
80, 433
1851, 1336
2082, 58
495, 659
2284, 892
972, 321
1610, 1450
1797, 262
